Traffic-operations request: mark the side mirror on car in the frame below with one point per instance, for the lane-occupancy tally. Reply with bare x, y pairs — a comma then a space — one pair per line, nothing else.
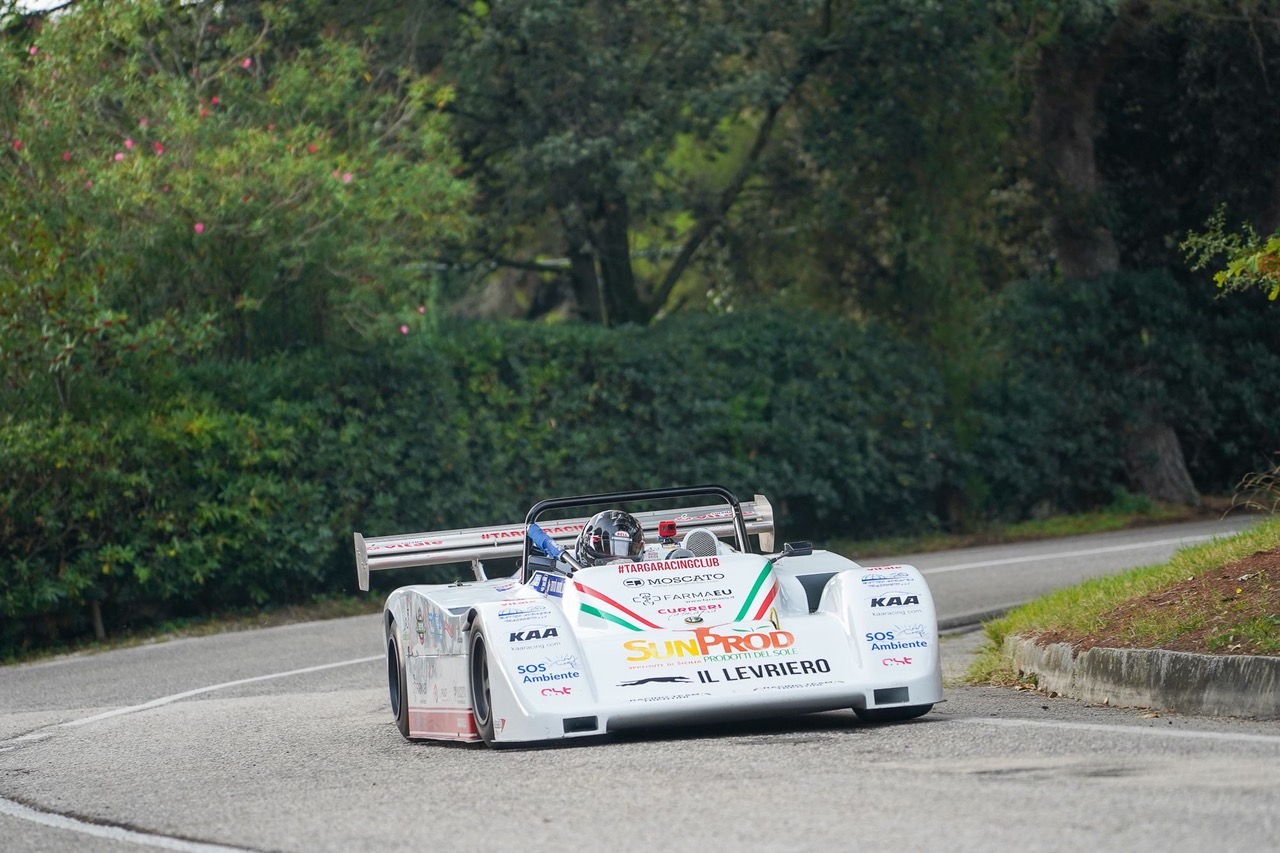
797, 549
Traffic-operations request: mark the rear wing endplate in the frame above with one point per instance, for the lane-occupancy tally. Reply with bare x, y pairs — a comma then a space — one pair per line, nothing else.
377, 553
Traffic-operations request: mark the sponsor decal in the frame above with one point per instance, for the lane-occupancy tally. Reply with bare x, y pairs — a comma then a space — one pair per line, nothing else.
532, 673
670, 565
893, 600
398, 546
666, 697
668, 580
887, 641
556, 691
882, 568
891, 579
781, 669
519, 532
916, 630
657, 679
523, 614
548, 584
689, 608
904, 661
650, 599
541, 633
706, 644
723, 513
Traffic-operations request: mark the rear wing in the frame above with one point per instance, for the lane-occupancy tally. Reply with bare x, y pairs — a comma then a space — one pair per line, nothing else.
377, 553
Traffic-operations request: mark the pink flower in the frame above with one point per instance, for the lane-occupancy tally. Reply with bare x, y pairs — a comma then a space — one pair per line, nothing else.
128, 143
165, 188
17, 145
158, 147
247, 62
142, 122
119, 156
33, 50
88, 185
404, 330
214, 100
199, 227
422, 309
346, 177
66, 155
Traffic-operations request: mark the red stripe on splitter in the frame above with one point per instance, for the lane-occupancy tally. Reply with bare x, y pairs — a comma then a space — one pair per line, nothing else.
768, 599
450, 723
586, 590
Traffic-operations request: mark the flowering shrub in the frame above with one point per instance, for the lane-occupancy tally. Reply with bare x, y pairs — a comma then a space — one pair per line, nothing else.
173, 179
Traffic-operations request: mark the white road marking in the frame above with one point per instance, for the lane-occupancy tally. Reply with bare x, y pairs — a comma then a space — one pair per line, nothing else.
1271, 740
114, 833
1039, 558
165, 700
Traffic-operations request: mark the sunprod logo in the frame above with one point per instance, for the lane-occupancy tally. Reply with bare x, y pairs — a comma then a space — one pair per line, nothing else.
707, 644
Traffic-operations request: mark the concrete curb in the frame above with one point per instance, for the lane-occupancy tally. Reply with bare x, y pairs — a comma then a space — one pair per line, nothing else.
1206, 685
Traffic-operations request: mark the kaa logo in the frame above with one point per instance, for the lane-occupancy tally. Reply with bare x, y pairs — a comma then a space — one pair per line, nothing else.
533, 634
894, 600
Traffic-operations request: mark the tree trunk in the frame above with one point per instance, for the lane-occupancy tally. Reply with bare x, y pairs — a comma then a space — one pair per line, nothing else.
1156, 467
1068, 76
613, 247
584, 279
95, 612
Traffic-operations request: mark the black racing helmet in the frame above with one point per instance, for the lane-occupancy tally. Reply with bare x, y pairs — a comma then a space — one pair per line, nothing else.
610, 535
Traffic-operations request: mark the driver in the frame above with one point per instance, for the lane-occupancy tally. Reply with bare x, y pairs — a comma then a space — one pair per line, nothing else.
610, 536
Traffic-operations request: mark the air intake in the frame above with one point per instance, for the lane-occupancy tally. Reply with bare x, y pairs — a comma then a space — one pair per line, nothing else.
580, 724
703, 543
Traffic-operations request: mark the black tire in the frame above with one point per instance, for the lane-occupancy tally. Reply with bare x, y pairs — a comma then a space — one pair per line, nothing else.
481, 697
892, 715
397, 684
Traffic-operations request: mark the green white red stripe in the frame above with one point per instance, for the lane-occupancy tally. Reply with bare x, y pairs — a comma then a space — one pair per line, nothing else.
763, 607
611, 617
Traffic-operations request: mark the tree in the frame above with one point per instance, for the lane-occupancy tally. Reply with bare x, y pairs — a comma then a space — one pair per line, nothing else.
573, 116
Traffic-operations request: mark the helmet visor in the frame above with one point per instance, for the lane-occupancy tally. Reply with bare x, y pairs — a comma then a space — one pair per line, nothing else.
619, 544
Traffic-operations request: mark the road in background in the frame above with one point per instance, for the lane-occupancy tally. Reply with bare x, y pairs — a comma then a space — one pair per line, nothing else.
977, 583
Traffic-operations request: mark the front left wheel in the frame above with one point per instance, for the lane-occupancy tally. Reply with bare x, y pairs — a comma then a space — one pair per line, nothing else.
397, 684
481, 696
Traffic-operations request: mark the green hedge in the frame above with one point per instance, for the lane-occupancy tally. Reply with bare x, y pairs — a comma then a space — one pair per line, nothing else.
241, 483
226, 485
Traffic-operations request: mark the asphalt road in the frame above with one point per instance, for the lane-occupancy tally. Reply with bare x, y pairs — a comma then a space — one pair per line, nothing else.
281, 740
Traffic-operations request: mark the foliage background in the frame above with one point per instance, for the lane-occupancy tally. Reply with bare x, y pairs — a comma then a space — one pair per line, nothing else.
270, 273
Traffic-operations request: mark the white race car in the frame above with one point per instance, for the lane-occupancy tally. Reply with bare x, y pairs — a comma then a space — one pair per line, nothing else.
698, 628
